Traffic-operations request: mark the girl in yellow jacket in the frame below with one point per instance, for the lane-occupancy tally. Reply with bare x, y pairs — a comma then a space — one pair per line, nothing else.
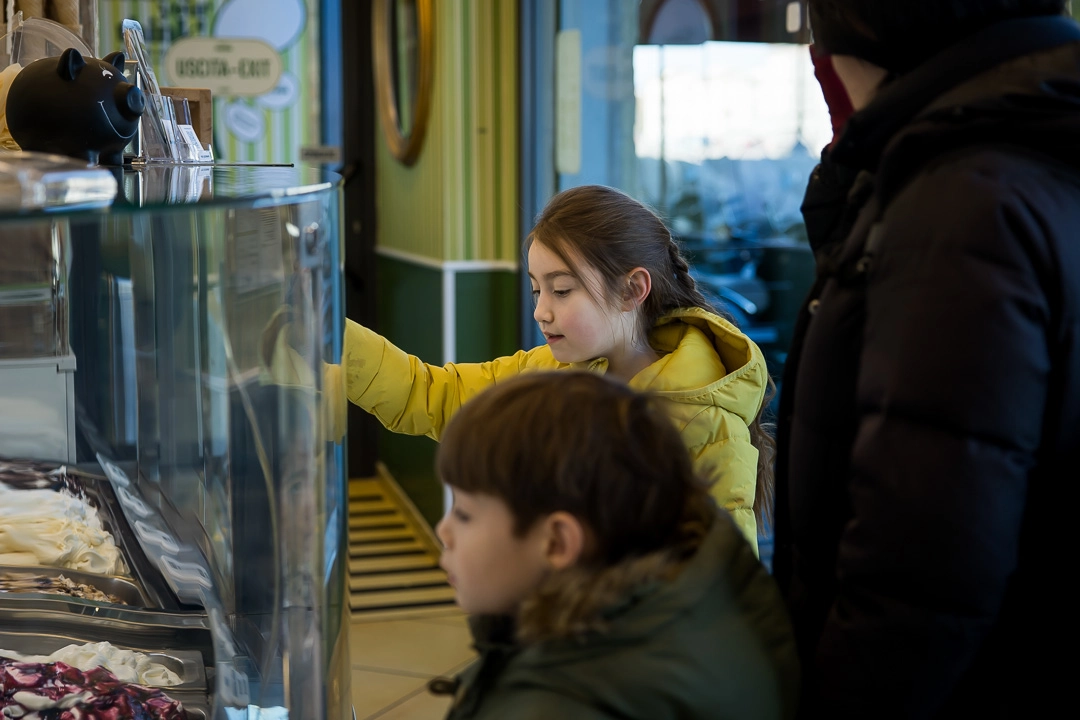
614, 295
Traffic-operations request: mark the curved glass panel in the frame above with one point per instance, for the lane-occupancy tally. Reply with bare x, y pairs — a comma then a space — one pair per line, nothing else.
187, 384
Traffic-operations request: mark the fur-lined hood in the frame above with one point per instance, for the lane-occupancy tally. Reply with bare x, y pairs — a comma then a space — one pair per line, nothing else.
578, 601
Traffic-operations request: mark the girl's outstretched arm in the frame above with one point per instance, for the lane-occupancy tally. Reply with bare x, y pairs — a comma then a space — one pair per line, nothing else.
406, 395
412, 397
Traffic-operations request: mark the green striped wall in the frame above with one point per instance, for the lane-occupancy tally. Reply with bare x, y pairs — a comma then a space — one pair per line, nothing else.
165, 21
410, 296
448, 225
458, 202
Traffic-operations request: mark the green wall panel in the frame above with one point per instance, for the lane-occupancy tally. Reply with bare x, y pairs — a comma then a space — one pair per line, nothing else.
486, 316
410, 307
410, 316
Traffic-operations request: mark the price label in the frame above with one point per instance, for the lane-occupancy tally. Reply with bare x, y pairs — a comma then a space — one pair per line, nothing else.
188, 135
228, 67
185, 574
326, 154
132, 503
151, 535
114, 473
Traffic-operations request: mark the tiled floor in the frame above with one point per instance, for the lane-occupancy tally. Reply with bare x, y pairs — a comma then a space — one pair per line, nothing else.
393, 659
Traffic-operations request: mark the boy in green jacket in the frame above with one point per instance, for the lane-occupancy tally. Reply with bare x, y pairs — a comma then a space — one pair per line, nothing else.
601, 579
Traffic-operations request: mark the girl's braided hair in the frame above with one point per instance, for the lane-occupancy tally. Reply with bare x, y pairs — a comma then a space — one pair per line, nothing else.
613, 233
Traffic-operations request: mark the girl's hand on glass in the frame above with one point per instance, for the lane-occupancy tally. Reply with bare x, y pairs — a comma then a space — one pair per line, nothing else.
281, 363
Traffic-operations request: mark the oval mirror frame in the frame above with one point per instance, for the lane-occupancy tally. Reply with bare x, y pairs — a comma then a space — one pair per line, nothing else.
405, 146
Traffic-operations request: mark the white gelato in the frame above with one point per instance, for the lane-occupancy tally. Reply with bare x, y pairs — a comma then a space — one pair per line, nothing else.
55, 529
127, 665
6, 76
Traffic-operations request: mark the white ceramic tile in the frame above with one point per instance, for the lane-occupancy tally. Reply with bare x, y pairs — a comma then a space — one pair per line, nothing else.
411, 646
373, 692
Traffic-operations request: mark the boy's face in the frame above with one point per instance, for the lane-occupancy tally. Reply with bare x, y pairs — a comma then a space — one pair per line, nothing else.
490, 568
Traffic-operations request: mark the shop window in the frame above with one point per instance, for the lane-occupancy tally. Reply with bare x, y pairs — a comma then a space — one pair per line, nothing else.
708, 111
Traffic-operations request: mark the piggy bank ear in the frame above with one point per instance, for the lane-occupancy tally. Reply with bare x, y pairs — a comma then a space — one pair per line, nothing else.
71, 62
116, 59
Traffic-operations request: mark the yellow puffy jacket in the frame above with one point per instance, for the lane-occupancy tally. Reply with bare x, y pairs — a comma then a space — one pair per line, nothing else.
711, 377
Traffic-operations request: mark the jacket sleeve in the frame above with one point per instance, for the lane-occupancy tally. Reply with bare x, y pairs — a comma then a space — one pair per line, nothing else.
731, 463
407, 395
950, 399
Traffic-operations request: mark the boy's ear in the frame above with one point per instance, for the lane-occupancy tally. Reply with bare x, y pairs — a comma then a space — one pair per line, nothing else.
638, 287
564, 540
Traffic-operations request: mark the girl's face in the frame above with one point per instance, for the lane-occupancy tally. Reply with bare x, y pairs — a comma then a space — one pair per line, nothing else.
577, 326
492, 570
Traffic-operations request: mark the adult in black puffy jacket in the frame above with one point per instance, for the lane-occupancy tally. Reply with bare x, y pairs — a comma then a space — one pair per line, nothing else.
929, 435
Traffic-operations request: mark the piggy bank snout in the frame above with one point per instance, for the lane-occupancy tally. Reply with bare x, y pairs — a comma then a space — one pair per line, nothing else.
130, 100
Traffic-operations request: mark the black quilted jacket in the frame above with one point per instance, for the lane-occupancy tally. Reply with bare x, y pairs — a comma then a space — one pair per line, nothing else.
930, 411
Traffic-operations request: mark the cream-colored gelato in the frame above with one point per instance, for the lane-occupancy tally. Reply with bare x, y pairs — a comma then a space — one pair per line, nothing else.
55, 529
6, 76
127, 665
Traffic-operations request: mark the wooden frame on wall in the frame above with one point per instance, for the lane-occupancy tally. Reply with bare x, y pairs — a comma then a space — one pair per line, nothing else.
405, 144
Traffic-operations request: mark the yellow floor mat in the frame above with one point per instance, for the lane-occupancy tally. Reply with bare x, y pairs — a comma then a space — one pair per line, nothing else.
393, 554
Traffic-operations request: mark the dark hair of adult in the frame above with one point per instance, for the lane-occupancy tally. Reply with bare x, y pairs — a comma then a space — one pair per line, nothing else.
613, 233
580, 443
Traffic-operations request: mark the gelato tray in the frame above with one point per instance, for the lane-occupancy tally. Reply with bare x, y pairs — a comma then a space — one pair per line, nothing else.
17, 580
57, 672
63, 517
48, 518
179, 670
36, 691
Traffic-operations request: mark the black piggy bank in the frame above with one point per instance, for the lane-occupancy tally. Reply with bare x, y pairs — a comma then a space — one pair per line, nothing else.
76, 106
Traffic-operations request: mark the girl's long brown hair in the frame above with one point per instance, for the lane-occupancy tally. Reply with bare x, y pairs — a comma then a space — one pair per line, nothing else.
613, 233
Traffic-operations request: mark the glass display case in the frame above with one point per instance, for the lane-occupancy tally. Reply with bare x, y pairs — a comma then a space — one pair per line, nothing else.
170, 480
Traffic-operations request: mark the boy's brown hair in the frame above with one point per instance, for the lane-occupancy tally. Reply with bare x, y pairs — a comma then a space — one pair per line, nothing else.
584, 444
